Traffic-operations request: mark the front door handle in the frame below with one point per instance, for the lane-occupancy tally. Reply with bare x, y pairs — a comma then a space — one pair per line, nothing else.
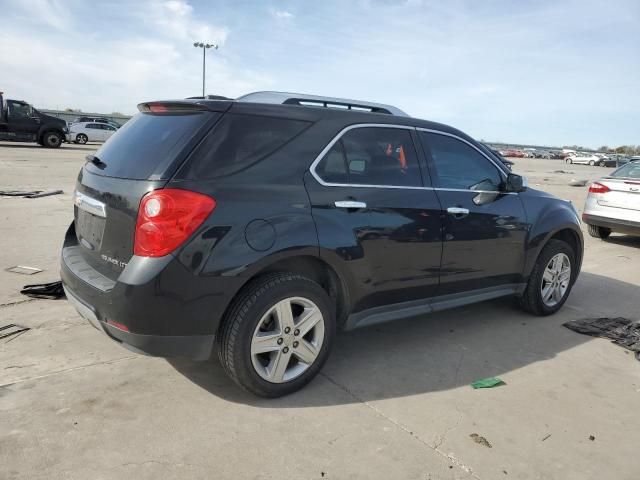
458, 212
350, 204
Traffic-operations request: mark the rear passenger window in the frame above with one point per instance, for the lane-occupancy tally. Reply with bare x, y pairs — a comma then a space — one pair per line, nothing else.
239, 141
460, 166
372, 156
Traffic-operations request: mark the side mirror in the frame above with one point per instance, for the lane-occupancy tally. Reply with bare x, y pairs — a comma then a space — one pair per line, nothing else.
516, 183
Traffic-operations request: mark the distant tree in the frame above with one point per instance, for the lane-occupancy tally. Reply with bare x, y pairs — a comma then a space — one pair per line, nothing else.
603, 148
621, 149
73, 110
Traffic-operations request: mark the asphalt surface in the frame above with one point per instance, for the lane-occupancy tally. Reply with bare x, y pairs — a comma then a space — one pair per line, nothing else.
393, 401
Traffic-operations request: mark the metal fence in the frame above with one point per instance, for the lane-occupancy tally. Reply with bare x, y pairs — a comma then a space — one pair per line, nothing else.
71, 116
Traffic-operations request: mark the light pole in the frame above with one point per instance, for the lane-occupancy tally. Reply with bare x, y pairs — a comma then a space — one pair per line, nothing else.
204, 47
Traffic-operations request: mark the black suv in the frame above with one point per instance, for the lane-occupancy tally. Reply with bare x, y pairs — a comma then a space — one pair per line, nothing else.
261, 225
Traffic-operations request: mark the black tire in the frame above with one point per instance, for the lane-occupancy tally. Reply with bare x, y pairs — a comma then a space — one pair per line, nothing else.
531, 299
568, 160
603, 163
51, 139
599, 232
237, 329
592, 163
82, 138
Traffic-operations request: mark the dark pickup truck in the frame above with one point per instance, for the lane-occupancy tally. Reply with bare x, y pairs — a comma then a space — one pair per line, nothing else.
20, 122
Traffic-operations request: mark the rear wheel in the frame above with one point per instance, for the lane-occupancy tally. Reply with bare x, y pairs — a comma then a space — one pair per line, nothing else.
277, 334
603, 163
52, 140
551, 279
599, 232
568, 160
82, 138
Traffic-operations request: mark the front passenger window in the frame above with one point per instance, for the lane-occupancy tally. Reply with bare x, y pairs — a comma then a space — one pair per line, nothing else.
460, 166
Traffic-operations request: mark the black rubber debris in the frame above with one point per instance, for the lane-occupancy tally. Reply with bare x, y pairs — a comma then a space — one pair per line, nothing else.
12, 329
29, 194
621, 331
51, 290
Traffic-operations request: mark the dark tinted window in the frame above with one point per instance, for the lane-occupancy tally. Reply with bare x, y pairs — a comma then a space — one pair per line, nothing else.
372, 156
19, 110
459, 165
95, 126
149, 143
239, 141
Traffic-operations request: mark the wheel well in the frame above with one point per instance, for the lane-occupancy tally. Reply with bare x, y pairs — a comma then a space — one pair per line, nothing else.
316, 270
47, 130
569, 236
321, 273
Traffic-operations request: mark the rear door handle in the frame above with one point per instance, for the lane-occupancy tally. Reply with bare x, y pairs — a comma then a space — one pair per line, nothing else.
350, 204
458, 212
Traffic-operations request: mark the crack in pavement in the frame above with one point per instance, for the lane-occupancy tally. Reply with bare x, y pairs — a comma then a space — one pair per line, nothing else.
457, 462
70, 369
17, 302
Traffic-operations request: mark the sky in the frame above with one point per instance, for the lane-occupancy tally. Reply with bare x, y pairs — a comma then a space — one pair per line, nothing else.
557, 72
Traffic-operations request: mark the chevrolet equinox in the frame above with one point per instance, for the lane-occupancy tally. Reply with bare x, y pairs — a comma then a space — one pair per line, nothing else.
259, 226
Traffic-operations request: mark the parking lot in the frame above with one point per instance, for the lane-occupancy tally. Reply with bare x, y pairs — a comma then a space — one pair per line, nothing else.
393, 401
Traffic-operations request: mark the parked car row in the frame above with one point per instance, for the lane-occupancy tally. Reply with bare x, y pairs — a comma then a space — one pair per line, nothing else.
591, 159
531, 153
569, 156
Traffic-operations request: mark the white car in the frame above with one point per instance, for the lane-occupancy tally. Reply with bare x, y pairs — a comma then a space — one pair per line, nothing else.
586, 159
613, 203
84, 132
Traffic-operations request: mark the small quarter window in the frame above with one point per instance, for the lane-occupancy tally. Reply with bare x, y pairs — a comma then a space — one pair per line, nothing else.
372, 156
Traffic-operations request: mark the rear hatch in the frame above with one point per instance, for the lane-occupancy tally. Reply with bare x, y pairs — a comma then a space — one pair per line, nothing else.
624, 188
140, 157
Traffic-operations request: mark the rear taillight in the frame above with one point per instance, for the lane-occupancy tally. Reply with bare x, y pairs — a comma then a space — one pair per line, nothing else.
598, 188
168, 217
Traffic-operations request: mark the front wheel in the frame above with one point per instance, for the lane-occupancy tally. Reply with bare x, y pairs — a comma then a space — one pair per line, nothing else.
52, 140
277, 334
82, 138
603, 163
568, 160
592, 163
551, 279
599, 232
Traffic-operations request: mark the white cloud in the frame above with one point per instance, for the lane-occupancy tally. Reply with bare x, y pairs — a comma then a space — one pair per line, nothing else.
176, 18
52, 13
98, 68
283, 14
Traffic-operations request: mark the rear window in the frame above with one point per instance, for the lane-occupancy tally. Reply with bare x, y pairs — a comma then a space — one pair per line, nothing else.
630, 170
239, 141
147, 145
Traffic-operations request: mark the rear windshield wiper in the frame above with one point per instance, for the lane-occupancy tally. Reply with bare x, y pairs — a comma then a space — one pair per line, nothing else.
96, 161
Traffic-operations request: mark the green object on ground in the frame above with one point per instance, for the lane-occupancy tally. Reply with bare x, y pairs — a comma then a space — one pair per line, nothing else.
487, 382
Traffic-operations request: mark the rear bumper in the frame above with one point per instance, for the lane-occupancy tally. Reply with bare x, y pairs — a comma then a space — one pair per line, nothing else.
197, 347
163, 309
617, 225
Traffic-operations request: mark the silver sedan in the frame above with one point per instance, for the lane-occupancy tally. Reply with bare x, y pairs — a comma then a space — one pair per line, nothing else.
613, 203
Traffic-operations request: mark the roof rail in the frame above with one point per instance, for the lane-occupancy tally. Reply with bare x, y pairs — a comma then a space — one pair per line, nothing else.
302, 99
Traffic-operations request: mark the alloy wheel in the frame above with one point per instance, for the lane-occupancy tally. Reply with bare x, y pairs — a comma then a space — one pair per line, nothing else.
555, 280
287, 339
